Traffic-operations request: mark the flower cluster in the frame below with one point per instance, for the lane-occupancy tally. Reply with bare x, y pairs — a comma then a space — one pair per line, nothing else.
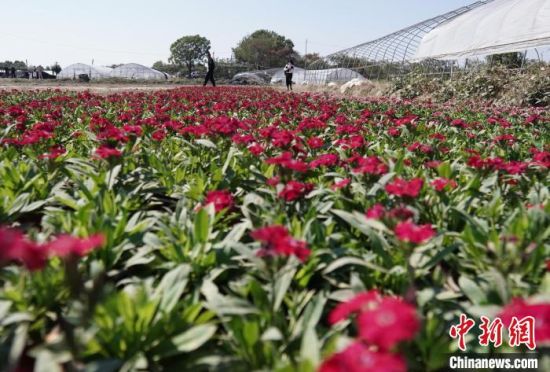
276, 241
16, 247
382, 322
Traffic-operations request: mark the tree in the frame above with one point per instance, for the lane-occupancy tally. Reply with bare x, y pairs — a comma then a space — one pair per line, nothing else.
18, 65
56, 68
187, 50
312, 61
165, 67
265, 49
510, 60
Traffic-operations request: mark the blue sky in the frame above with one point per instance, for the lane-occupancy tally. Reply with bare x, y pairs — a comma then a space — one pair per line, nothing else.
120, 31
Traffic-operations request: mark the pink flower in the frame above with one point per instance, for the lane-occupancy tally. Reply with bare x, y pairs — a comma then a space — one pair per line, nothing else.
439, 184
520, 309
391, 321
278, 242
360, 302
376, 212
55, 152
158, 135
256, 149
432, 164
294, 190
325, 160
273, 181
370, 165
315, 142
401, 187
66, 245
15, 247
401, 213
105, 152
341, 184
358, 357
409, 232
222, 199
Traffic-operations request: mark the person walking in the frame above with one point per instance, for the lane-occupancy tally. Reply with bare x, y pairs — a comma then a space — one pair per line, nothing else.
210, 72
12, 72
289, 70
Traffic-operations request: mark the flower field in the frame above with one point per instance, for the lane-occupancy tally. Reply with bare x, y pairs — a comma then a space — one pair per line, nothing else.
241, 229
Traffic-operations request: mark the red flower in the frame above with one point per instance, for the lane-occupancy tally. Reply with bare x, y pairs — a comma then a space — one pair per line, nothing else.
256, 149
66, 245
285, 160
158, 135
360, 302
370, 165
315, 142
401, 213
391, 321
376, 212
270, 234
277, 242
133, 129
294, 190
273, 181
409, 232
394, 132
325, 160
55, 152
401, 187
359, 358
520, 309
15, 247
105, 152
441, 183
222, 199
432, 164
295, 165
341, 184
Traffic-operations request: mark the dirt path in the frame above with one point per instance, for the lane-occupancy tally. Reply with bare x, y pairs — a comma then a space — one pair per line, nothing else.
20, 84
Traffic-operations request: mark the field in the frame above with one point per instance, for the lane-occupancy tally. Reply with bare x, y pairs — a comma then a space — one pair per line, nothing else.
241, 229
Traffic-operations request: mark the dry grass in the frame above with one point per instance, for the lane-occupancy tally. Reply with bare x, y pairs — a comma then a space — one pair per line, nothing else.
366, 89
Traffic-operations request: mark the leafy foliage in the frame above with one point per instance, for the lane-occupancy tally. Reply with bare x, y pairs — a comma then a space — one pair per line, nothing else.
237, 222
187, 50
264, 49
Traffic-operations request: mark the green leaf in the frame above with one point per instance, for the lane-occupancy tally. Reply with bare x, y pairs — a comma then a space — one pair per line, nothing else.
171, 287
345, 261
202, 226
282, 283
206, 143
191, 339
472, 290
310, 347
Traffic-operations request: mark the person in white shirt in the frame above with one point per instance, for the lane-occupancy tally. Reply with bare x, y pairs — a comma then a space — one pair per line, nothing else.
289, 70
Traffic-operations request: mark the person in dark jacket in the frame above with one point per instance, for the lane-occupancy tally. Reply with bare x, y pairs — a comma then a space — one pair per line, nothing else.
210, 73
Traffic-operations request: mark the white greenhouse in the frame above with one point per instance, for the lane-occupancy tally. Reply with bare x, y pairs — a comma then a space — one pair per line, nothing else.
137, 72
496, 27
331, 75
94, 72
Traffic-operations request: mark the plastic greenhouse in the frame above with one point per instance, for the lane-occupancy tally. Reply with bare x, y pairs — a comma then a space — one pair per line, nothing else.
325, 76
138, 72
433, 46
498, 27
94, 72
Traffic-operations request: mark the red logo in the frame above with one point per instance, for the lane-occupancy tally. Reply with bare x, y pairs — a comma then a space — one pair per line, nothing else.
521, 332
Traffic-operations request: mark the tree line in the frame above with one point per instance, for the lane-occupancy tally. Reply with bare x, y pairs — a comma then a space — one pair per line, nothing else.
263, 49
